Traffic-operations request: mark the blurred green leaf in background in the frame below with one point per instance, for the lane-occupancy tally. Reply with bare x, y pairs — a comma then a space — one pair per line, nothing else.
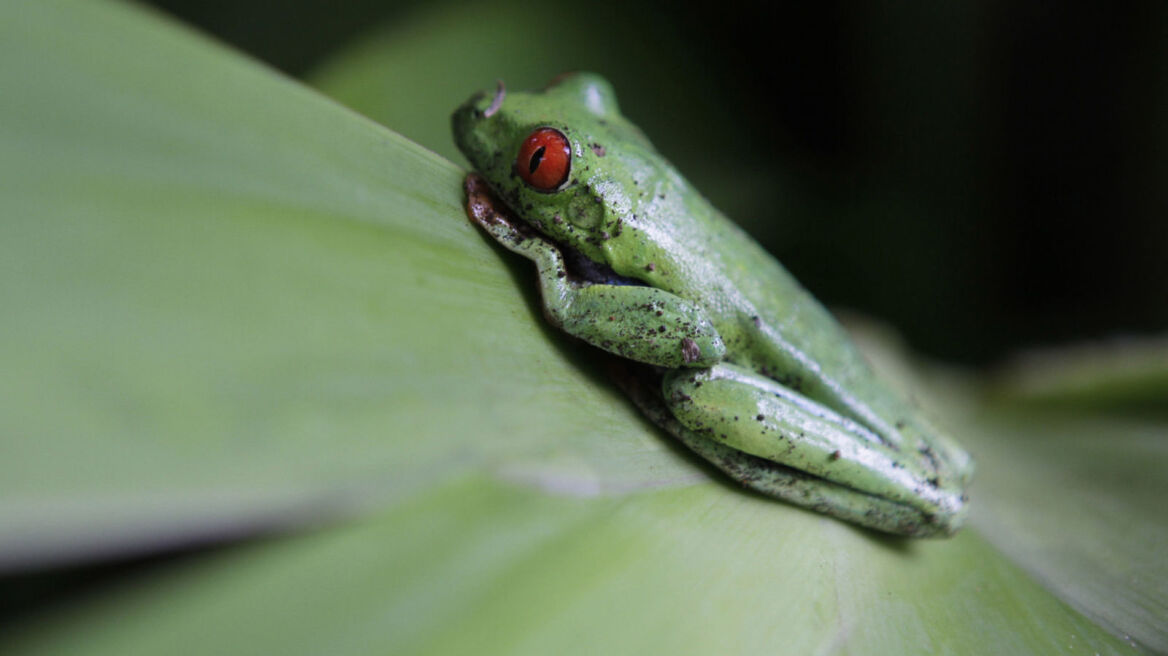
263, 389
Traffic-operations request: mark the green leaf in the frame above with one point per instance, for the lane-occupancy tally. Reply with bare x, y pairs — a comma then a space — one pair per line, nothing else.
232, 302
1079, 502
232, 305
1119, 375
484, 567
1074, 498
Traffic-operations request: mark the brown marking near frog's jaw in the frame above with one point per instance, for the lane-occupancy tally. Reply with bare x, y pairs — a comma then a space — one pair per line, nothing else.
484, 209
480, 205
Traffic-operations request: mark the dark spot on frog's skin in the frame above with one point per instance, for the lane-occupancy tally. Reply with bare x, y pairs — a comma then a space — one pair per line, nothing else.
757, 321
689, 350
661, 329
659, 313
735, 417
835, 455
759, 418
935, 482
557, 220
900, 425
650, 267
598, 149
928, 453
612, 318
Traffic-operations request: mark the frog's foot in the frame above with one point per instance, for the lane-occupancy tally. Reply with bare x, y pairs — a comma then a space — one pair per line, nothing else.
785, 445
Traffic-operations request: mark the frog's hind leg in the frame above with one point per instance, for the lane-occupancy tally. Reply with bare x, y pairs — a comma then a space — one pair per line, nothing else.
785, 445
766, 477
799, 488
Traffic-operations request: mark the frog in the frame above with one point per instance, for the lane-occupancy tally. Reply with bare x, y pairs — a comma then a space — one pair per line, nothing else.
714, 340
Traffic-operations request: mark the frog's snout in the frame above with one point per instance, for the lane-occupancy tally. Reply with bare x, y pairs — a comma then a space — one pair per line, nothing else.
468, 113
475, 133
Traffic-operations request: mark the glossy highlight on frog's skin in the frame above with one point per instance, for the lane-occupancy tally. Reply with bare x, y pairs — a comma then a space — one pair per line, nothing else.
718, 344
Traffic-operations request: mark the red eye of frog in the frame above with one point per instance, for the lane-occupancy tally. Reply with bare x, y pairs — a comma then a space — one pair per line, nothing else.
544, 158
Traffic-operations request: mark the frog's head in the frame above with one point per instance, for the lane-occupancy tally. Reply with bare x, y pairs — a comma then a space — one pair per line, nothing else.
549, 156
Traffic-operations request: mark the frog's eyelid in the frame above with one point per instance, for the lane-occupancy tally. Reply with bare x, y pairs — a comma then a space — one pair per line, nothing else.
497, 102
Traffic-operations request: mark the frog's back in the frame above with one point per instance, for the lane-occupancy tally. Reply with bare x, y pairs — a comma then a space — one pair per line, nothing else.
767, 320
701, 255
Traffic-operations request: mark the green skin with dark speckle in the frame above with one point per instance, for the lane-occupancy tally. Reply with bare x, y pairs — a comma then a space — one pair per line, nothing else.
757, 377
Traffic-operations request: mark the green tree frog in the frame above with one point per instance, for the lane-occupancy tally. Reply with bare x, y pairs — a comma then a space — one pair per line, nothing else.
725, 350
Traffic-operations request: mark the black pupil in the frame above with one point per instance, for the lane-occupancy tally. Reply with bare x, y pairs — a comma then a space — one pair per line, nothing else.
536, 158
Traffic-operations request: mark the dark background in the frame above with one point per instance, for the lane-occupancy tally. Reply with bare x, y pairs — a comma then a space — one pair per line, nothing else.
984, 176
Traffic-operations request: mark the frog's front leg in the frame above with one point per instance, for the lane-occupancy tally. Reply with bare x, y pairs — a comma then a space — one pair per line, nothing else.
640, 323
751, 414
